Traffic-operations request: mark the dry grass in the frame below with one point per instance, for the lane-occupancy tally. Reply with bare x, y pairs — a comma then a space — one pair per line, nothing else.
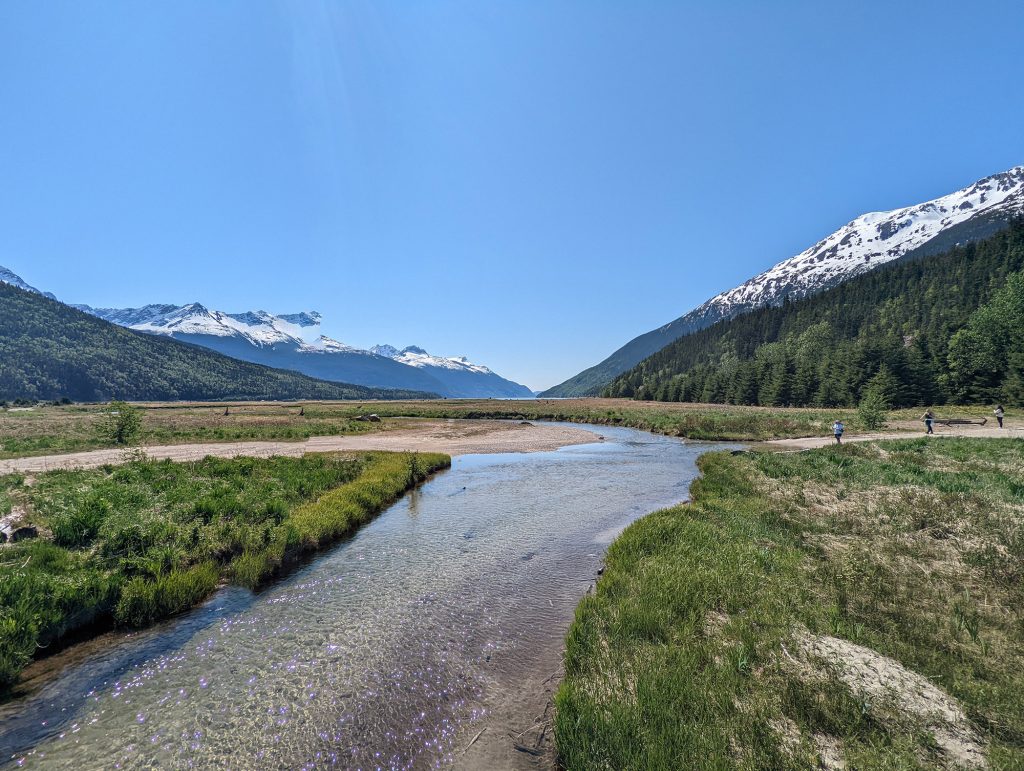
857, 606
48, 429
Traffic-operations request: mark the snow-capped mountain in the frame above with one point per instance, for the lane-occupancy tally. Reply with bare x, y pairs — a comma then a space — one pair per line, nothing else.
872, 240
10, 277
417, 357
459, 375
861, 245
293, 341
258, 327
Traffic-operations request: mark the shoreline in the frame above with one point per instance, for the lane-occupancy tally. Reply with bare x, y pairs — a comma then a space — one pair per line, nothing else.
351, 505
866, 661
481, 745
460, 437
482, 741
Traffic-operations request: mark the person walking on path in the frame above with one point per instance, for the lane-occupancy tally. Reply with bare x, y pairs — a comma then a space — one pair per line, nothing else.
929, 419
999, 413
837, 431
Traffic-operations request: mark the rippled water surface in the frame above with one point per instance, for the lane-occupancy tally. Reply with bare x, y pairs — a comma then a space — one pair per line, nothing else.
378, 652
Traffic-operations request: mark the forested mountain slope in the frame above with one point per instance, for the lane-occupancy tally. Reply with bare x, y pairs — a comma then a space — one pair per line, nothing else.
49, 350
863, 244
949, 328
293, 341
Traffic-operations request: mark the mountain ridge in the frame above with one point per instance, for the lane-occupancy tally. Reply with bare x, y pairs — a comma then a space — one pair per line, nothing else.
867, 241
293, 341
916, 332
49, 350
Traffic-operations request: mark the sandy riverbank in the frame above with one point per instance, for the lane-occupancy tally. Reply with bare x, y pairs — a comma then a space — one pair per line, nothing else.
453, 437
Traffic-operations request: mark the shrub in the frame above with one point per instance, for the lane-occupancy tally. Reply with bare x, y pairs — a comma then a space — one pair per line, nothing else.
122, 424
872, 410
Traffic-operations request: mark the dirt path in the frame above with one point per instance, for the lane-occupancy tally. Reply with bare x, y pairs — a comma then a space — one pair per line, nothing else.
914, 431
454, 437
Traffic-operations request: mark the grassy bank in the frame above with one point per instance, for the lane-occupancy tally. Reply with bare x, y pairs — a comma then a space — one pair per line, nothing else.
860, 604
131, 544
694, 421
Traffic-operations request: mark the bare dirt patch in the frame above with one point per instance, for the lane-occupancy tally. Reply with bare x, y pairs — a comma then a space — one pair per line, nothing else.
902, 695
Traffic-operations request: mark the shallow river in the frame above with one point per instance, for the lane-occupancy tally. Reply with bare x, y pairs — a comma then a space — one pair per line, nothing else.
377, 654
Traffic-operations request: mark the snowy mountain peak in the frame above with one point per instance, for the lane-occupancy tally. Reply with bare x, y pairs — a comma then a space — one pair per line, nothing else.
12, 278
387, 351
415, 356
324, 344
303, 319
256, 327
871, 240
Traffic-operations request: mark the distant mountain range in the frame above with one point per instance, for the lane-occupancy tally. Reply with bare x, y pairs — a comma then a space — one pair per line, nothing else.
293, 341
871, 240
49, 350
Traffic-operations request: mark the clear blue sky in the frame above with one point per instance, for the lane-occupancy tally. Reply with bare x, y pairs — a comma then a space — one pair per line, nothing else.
527, 183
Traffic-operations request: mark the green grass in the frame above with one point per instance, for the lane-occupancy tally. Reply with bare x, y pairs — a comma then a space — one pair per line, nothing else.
693, 421
686, 655
62, 429
134, 543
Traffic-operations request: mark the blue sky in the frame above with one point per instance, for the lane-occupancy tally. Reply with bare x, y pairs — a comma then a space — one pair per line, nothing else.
527, 183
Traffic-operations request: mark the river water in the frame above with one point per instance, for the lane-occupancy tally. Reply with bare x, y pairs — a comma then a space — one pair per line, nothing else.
380, 653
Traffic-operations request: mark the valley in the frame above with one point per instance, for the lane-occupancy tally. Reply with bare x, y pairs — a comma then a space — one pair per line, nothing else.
618, 386
478, 675
797, 603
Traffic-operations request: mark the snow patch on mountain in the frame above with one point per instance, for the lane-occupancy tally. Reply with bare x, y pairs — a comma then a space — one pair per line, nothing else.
12, 278
861, 245
259, 328
415, 356
871, 240
324, 344
293, 341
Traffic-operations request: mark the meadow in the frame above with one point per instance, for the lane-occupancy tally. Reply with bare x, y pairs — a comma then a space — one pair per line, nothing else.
52, 429
859, 605
130, 544
55, 429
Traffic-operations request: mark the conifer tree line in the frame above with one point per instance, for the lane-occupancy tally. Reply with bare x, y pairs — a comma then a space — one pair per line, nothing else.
940, 329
